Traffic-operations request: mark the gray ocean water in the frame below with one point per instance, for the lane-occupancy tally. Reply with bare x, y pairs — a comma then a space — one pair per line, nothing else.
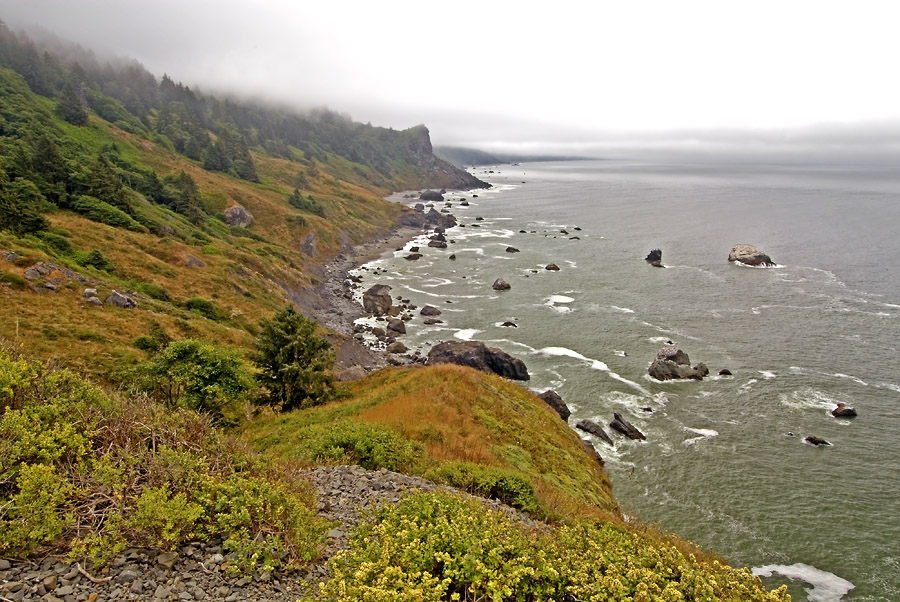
719, 465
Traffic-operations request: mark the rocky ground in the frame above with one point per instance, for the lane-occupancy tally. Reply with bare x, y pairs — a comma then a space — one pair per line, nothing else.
198, 571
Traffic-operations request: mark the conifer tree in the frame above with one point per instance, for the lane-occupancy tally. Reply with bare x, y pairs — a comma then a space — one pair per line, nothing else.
70, 107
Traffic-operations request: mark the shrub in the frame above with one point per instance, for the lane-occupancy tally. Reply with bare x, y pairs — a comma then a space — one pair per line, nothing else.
438, 546
200, 376
502, 484
14, 281
19, 216
58, 243
206, 308
372, 446
94, 259
154, 291
155, 341
99, 211
308, 205
293, 362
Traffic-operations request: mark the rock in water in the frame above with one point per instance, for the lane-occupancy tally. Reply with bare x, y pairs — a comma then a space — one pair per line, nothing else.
552, 399
397, 326
672, 363
479, 356
815, 441
501, 285
430, 310
654, 255
589, 426
377, 300
552, 267
117, 299
750, 255
238, 216
625, 427
413, 256
431, 195
512, 250
843, 411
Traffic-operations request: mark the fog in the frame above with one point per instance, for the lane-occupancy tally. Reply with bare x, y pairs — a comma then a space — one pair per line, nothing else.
791, 77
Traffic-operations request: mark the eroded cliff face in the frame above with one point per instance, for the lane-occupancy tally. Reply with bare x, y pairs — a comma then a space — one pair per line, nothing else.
435, 171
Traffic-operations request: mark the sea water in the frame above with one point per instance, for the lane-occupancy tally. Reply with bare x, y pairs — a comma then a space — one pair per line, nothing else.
724, 463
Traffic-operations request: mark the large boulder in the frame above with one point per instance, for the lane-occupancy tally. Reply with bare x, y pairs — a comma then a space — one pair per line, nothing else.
843, 411
654, 255
430, 310
501, 285
431, 195
589, 426
352, 373
749, 255
672, 364
396, 325
117, 299
552, 399
377, 300
238, 216
479, 356
625, 427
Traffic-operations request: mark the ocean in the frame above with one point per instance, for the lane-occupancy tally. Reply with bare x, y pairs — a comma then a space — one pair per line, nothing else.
724, 463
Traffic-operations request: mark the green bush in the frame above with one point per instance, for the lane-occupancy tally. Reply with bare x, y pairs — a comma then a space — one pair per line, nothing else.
293, 362
58, 243
206, 308
94, 259
502, 484
14, 281
17, 215
437, 546
372, 446
89, 474
200, 376
154, 291
96, 210
308, 205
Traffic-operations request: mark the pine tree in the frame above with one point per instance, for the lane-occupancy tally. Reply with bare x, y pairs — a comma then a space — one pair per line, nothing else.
104, 184
216, 159
188, 202
70, 107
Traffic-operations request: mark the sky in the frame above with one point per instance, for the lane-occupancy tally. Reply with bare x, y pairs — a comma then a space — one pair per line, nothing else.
559, 76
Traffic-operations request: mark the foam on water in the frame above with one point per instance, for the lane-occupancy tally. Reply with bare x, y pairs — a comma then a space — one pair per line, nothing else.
559, 299
855, 379
808, 399
826, 587
466, 334
623, 310
595, 364
703, 434
421, 292
768, 374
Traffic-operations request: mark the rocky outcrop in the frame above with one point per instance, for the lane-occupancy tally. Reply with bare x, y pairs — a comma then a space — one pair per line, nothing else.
413, 257
397, 326
672, 363
512, 250
479, 356
308, 244
238, 216
749, 255
117, 299
552, 399
431, 195
589, 448
426, 221
501, 285
436, 172
352, 373
430, 310
626, 428
589, 426
843, 411
654, 258
397, 347
815, 441
552, 267
377, 300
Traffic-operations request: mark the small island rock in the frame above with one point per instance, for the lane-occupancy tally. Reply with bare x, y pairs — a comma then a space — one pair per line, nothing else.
843, 411
589, 426
625, 427
749, 255
501, 285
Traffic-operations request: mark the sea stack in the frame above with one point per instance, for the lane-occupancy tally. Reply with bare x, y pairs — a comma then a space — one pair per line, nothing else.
654, 258
750, 255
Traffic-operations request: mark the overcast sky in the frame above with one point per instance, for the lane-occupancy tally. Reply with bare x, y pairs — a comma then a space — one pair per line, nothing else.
561, 75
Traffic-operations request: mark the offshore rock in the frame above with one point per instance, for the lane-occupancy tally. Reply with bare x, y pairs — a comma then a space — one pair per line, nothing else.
589, 426
430, 310
501, 285
672, 363
431, 195
749, 255
552, 267
397, 326
552, 399
843, 411
377, 300
479, 356
815, 441
654, 255
625, 427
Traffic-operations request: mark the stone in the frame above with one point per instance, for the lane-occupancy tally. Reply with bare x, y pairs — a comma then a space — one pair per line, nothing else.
238, 216
672, 364
93, 301
749, 255
167, 560
397, 347
509, 324
352, 373
65, 590
414, 249
479, 356
396, 325
4, 564
589, 426
552, 399
654, 256
452, 257
117, 299
192, 262
843, 411
552, 267
308, 244
512, 250
501, 285
724, 372
50, 582
10, 256
413, 256
437, 244
431, 195
89, 292
432, 321
626, 428
815, 441
161, 592
377, 300
430, 310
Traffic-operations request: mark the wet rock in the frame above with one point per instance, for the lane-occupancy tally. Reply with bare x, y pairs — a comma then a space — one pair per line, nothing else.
397, 326
552, 399
552, 267
724, 372
117, 299
397, 347
238, 216
512, 250
815, 441
843, 411
749, 255
377, 300
509, 324
589, 426
672, 364
431, 195
453, 257
432, 321
413, 256
653, 256
501, 285
626, 428
430, 310
437, 244
479, 356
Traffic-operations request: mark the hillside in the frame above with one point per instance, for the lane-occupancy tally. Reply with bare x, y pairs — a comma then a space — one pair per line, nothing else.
170, 428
